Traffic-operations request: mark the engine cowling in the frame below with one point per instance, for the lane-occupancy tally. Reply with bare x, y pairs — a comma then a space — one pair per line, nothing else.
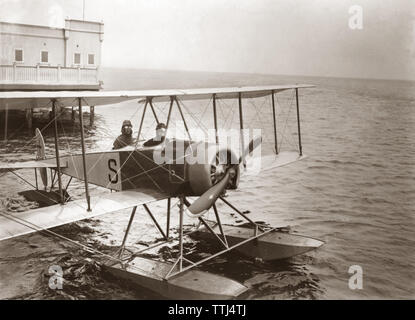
208, 165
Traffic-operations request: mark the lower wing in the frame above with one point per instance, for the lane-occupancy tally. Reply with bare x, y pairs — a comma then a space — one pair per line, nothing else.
256, 165
31, 165
17, 224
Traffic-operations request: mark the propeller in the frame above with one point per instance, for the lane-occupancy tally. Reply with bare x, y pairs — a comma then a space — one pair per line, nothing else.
207, 199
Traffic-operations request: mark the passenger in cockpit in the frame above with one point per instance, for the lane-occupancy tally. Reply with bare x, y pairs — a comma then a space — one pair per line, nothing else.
161, 130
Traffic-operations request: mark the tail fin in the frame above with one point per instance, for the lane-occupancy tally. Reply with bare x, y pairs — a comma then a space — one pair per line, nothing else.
40, 155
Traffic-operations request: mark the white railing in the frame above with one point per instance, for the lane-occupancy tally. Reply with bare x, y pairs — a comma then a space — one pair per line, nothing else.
47, 74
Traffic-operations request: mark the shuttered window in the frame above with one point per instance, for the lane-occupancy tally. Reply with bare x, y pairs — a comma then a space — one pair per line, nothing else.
91, 59
18, 55
77, 58
44, 57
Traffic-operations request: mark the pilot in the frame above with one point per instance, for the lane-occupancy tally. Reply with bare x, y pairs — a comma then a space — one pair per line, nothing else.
126, 138
160, 136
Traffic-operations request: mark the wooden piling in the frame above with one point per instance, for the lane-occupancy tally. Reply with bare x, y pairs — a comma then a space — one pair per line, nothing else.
6, 119
29, 118
73, 116
91, 115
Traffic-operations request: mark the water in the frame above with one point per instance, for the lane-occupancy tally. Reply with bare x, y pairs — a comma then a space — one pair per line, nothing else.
355, 191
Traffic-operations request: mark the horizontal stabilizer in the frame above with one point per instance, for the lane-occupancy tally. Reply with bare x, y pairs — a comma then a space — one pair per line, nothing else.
17, 224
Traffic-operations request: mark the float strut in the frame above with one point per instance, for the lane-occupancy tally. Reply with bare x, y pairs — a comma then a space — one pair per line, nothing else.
240, 213
155, 221
181, 234
168, 218
220, 224
212, 232
130, 222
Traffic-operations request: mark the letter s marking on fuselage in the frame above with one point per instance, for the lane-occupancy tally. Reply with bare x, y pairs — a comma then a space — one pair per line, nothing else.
112, 169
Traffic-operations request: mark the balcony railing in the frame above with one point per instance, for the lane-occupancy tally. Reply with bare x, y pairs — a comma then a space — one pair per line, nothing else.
47, 75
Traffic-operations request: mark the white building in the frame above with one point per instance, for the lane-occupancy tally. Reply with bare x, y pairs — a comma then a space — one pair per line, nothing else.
34, 57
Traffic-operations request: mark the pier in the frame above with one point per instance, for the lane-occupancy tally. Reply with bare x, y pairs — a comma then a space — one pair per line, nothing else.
42, 58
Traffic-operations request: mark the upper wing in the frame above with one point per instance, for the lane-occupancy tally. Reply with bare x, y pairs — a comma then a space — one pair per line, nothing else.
20, 99
17, 224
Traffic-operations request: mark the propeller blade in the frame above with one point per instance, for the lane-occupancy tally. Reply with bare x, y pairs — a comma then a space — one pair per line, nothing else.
202, 204
253, 144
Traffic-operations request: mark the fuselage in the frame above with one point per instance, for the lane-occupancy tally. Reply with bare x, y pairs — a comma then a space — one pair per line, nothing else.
177, 167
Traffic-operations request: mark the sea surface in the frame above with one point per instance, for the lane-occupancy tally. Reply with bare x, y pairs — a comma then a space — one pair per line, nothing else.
355, 191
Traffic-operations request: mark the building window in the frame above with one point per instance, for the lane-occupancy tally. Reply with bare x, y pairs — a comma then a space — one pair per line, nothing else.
91, 59
18, 55
44, 56
77, 58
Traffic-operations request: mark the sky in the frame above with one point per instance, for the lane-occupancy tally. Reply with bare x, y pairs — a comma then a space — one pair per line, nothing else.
297, 37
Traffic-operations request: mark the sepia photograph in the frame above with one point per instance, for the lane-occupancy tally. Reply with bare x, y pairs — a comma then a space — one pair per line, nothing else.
207, 150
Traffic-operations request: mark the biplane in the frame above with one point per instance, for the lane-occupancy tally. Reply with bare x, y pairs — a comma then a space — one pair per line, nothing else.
136, 179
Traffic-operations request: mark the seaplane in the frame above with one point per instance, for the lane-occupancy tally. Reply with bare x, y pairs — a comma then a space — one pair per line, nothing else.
139, 175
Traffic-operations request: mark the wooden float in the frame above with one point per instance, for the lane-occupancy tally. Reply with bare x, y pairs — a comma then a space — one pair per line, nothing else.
273, 245
189, 285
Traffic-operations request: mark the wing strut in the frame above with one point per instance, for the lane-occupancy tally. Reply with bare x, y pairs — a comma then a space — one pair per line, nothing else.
215, 118
184, 120
58, 164
169, 115
172, 100
298, 122
152, 109
142, 120
241, 124
275, 122
81, 122
149, 100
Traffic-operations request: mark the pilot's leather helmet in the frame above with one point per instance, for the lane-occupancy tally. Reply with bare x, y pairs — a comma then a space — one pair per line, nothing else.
127, 128
126, 123
161, 125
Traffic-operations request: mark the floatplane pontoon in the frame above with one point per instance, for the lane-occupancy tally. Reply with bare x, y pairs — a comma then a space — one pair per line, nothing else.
139, 180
